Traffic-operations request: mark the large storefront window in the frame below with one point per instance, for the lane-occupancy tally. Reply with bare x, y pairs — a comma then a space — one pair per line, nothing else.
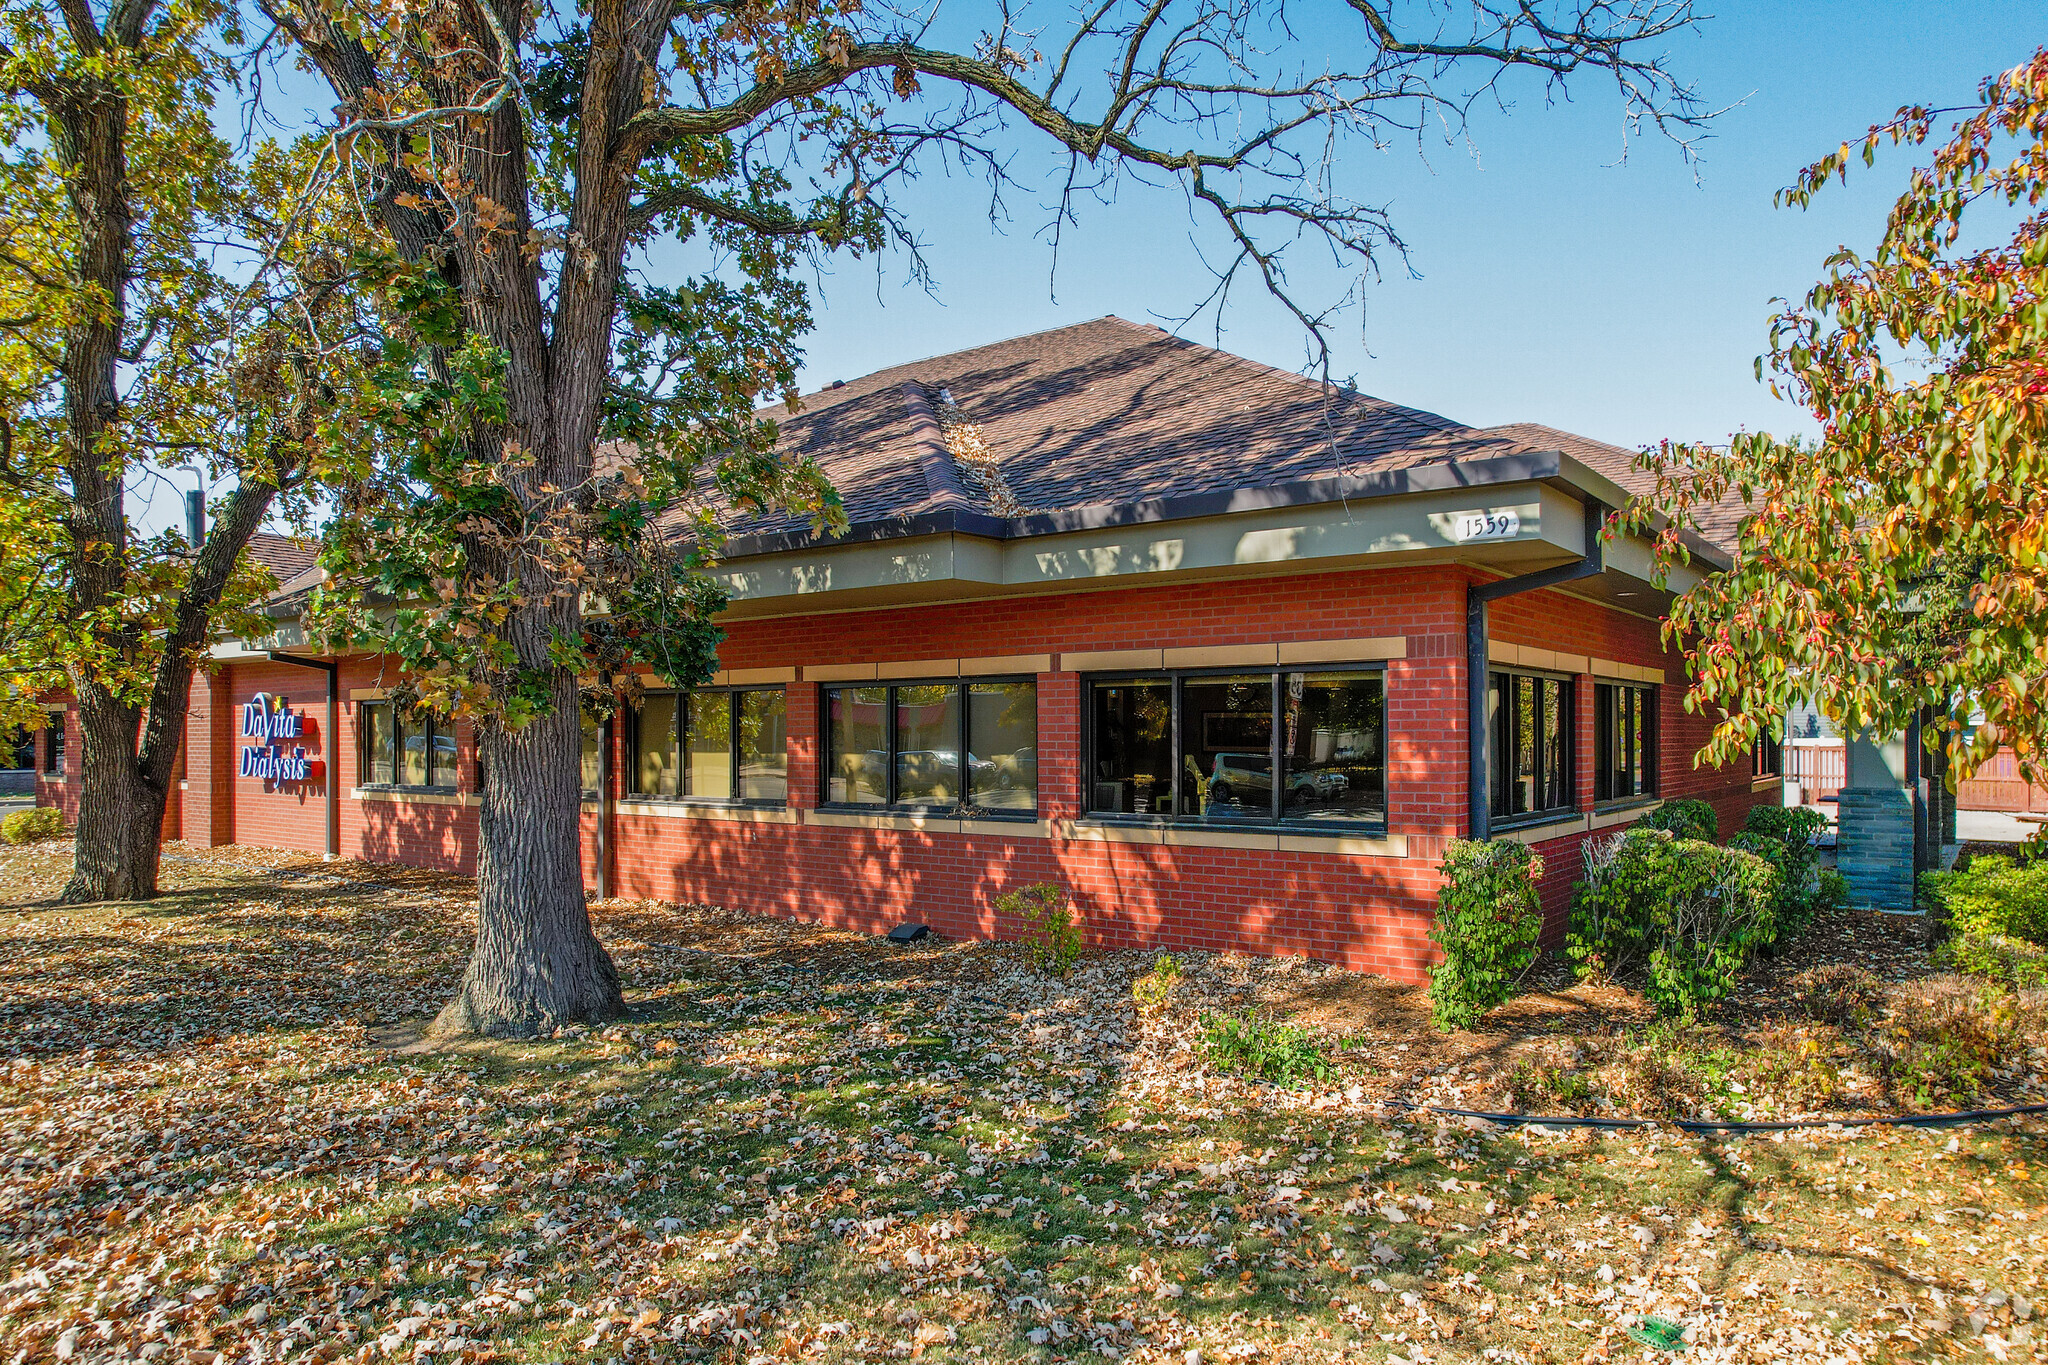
405, 748
1206, 747
713, 745
1625, 741
960, 746
1529, 745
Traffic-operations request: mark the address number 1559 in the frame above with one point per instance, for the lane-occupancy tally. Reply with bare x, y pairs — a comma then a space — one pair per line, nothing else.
1485, 525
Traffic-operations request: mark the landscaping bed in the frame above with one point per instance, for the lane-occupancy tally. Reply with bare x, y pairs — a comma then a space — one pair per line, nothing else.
809, 1144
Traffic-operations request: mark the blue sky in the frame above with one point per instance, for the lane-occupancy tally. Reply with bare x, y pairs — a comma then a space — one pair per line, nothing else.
1621, 300
1553, 281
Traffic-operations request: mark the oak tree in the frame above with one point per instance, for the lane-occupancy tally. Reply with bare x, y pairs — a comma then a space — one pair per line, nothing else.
132, 336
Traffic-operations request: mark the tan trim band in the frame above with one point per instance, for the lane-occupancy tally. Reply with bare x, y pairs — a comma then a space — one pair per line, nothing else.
687, 810
1346, 846
839, 672
406, 798
1006, 663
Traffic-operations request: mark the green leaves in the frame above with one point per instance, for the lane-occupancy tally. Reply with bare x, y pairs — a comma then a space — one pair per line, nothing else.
1487, 924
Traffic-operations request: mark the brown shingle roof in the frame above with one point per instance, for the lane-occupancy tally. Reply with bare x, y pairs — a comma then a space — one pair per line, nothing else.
285, 556
1112, 412
1718, 523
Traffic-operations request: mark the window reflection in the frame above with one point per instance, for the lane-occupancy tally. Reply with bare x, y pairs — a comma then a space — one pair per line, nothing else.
1002, 745
857, 741
1133, 768
1331, 737
764, 746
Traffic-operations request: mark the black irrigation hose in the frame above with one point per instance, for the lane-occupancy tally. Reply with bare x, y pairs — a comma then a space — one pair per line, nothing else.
1702, 1126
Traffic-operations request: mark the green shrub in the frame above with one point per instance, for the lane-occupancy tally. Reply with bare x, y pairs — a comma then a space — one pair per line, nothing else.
1610, 931
1688, 912
1793, 826
1784, 836
1993, 895
2011, 962
1265, 1049
1687, 818
1052, 927
32, 826
1487, 924
1152, 990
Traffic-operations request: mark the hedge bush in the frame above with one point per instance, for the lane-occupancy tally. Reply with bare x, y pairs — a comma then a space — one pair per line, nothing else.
32, 826
1994, 895
1487, 923
1784, 836
1688, 818
1685, 913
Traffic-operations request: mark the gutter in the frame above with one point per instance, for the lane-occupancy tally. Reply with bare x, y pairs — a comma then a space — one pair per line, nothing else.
1479, 791
329, 738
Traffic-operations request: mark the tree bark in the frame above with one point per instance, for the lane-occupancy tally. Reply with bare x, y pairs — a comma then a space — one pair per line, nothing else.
537, 963
120, 808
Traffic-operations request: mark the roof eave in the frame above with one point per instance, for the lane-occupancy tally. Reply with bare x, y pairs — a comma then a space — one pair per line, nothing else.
1544, 466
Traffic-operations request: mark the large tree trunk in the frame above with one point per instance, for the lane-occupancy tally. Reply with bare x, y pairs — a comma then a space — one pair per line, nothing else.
537, 962
120, 808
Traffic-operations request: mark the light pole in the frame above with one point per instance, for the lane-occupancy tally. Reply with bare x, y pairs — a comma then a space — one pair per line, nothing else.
195, 506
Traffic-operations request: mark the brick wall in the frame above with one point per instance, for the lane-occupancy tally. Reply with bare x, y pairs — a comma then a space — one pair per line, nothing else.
1370, 913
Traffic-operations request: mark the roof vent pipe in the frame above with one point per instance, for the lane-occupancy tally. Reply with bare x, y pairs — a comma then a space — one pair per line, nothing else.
1479, 790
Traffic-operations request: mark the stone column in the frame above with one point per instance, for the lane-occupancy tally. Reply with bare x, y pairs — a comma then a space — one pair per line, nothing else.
1874, 850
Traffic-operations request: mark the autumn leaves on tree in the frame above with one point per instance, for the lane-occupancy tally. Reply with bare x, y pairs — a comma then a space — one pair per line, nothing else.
152, 313
1897, 567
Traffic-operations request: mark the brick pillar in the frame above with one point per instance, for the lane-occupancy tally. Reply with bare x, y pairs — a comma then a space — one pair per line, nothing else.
209, 797
1061, 790
806, 741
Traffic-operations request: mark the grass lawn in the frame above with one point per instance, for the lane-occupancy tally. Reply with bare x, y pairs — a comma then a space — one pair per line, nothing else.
806, 1144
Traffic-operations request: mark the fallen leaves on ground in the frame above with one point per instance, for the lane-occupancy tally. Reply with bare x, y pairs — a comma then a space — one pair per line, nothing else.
806, 1144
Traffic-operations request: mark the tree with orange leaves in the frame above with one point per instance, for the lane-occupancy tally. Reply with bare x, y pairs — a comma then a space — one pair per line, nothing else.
1926, 364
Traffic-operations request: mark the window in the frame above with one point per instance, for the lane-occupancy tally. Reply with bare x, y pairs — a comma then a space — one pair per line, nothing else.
1529, 745
53, 757
405, 748
712, 744
966, 746
1207, 747
1624, 741
1767, 759
593, 754
21, 749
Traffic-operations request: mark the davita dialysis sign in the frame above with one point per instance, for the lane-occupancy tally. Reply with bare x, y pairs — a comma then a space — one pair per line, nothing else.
269, 719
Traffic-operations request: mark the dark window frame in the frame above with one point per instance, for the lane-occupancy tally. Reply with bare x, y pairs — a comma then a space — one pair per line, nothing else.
1767, 757
732, 748
961, 809
1503, 746
1275, 823
53, 746
1641, 724
402, 724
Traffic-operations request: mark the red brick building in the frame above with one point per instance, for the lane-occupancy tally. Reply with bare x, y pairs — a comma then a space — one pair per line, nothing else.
1192, 636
